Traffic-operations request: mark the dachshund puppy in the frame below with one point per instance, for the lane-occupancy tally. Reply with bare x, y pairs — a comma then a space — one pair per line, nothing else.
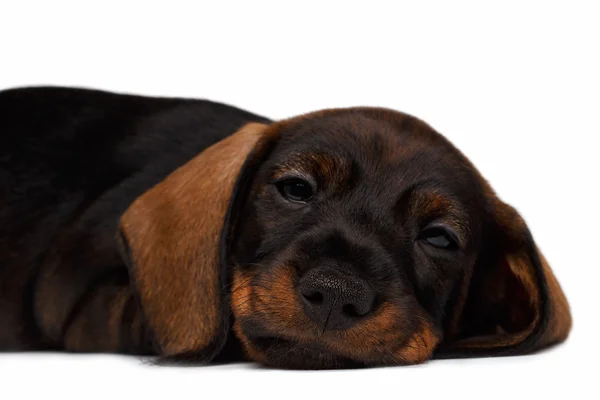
190, 229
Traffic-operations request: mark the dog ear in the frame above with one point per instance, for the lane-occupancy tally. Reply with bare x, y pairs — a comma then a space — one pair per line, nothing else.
513, 302
175, 239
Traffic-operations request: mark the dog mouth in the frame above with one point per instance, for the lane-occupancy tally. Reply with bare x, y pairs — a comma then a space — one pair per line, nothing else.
299, 351
290, 354
330, 350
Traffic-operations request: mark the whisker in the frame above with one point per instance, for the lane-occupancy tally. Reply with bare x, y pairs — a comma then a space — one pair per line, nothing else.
241, 285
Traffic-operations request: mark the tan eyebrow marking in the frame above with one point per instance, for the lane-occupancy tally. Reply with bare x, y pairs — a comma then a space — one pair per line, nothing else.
433, 203
327, 169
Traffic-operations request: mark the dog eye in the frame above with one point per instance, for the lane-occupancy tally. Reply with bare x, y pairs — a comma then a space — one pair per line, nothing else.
438, 237
295, 189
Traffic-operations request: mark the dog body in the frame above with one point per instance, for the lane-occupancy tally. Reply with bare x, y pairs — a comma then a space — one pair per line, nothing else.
71, 162
340, 238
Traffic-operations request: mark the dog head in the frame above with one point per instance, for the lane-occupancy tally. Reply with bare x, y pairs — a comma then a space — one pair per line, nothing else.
342, 238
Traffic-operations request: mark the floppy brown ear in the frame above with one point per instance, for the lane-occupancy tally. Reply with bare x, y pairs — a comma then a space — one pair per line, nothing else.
514, 304
174, 237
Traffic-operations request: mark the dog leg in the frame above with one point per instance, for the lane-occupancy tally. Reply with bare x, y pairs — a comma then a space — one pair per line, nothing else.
107, 319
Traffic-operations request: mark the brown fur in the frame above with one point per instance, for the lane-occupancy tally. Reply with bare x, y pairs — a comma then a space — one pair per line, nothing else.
183, 306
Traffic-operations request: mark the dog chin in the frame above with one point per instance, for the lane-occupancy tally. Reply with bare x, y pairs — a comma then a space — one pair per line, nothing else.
278, 352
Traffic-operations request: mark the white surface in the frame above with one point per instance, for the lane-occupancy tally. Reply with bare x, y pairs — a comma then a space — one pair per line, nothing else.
515, 86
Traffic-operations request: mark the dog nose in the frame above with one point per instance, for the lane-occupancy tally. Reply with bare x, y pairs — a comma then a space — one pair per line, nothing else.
335, 300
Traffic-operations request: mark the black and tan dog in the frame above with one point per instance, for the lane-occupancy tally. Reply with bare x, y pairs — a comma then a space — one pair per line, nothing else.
189, 229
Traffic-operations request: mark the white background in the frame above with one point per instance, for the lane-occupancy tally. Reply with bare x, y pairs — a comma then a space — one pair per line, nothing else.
514, 85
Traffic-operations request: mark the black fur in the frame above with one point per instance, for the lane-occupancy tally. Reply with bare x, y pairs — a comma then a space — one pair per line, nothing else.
71, 162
